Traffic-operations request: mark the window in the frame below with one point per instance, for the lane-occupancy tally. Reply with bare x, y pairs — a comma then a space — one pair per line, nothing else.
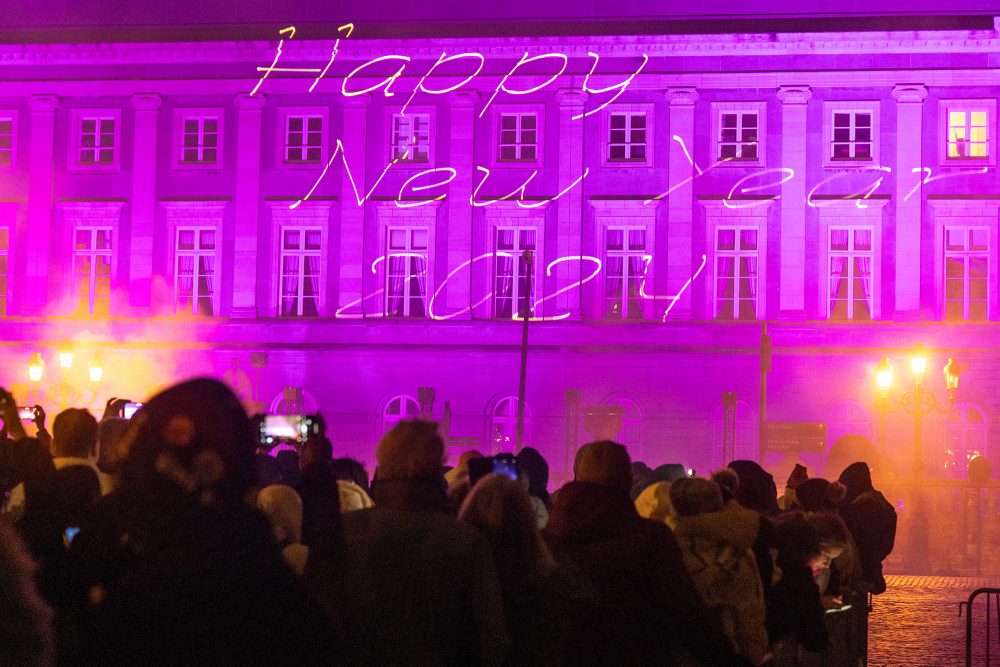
503, 425
195, 271
624, 272
518, 141
397, 409
968, 134
199, 140
627, 137
966, 273
96, 141
300, 280
631, 434
738, 136
92, 268
736, 261
406, 277
852, 135
411, 137
850, 273
966, 436
8, 130
4, 268
847, 418
303, 140
512, 282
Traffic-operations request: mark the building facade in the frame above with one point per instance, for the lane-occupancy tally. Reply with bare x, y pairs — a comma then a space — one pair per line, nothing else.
341, 223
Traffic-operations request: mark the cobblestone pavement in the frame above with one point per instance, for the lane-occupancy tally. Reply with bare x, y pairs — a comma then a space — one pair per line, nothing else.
916, 623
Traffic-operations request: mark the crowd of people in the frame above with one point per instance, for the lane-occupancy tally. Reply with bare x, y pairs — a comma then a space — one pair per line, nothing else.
171, 538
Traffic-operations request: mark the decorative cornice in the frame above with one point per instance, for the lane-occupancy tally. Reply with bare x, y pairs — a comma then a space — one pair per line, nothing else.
681, 97
794, 94
43, 103
248, 102
146, 101
464, 98
570, 98
355, 101
909, 92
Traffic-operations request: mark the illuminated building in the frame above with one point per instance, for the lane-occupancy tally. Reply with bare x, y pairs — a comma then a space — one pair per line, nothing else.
838, 183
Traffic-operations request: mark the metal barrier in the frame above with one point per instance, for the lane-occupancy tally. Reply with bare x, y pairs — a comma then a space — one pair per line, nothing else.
995, 592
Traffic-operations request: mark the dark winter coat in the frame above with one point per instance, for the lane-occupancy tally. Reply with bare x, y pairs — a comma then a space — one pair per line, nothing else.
647, 609
872, 522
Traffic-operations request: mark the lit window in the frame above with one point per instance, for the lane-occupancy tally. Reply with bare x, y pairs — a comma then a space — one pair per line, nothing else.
397, 409
92, 268
303, 139
406, 274
968, 134
503, 425
199, 140
966, 273
96, 141
4, 268
627, 137
518, 137
195, 271
411, 137
6, 142
513, 284
850, 273
966, 436
736, 262
300, 279
852, 135
738, 135
624, 272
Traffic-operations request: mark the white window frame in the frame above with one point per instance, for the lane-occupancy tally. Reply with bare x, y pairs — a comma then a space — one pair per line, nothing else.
7, 230
958, 426
388, 420
507, 406
648, 110
409, 252
965, 254
845, 213
945, 107
852, 107
850, 254
625, 253
720, 108
197, 252
519, 110
736, 254
390, 125
93, 253
200, 114
302, 254
77, 117
518, 298
978, 213
281, 136
633, 420
12, 116
722, 213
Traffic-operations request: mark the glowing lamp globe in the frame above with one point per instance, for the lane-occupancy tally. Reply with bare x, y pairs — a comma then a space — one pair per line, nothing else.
919, 363
951, 372
35, 368
883, 374
65, 359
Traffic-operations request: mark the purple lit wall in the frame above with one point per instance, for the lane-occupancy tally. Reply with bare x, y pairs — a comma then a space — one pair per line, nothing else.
227, 207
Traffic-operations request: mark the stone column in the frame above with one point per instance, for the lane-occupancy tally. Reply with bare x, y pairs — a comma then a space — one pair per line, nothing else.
792, 271
569, 221
143, 202
247, 205
352, 216
37, 237
909, 106
680, 201
460, 212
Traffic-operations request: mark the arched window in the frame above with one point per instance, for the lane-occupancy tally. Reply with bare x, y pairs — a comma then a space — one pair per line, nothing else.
502, 432
397, 409
966, 434
847, 418
633, 432
746, 434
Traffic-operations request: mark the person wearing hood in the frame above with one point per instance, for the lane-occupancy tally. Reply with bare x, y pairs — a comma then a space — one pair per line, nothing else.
716, 540
756, 490
647, 610
872, 522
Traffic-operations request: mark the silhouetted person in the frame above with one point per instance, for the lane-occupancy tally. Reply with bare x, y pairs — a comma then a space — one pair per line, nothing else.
74, 442
872, 522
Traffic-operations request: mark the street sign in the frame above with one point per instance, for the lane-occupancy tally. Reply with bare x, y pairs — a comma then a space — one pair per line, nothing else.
795, 436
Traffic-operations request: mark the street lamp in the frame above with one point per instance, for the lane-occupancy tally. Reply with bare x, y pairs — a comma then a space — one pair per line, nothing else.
65, 392
35, 368
917, 402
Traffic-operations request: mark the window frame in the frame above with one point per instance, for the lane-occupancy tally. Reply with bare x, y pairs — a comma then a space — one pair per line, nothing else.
302, 227
389, 125
409, 252
850, 253
720, 108
737, 226
385, 419
77, 116
966, 213
518, 226
650, 112
989, 105
281, 134
845, 212
509, 419
216, 253
185, 113
12, 116
500, 110
833, 107
94, 228
625, 253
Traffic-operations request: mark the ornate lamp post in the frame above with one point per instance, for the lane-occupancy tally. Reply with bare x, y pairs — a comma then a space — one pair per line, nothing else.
65, 392
917, 402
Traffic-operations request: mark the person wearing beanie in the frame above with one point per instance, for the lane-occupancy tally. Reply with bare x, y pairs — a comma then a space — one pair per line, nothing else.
716, 539
647, 610
415, 586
